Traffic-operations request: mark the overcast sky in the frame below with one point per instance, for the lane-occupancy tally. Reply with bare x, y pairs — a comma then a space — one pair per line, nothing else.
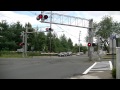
72, 32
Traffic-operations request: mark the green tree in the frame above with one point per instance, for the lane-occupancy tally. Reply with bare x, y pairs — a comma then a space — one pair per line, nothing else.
70, 44
64, 43
75, 48
105, 29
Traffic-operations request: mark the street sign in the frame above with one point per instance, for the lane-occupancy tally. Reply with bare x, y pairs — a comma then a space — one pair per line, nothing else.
113, 37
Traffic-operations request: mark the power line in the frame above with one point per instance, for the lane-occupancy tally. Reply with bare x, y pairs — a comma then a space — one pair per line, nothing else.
70, 34
67, 32
32, 13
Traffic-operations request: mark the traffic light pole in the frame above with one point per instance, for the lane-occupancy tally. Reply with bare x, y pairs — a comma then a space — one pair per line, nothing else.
90, 49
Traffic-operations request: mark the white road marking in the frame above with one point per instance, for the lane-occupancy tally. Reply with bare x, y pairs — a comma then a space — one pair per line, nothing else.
96, 71
111, 67
89, 68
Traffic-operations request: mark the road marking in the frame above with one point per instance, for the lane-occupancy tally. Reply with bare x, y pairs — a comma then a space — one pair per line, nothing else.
111, 67
89, 68
96, 71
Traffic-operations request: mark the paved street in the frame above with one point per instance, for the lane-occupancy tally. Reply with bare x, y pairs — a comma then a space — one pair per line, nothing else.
43, 67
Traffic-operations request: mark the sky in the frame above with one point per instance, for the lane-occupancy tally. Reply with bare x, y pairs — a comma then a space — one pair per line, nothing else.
70, 32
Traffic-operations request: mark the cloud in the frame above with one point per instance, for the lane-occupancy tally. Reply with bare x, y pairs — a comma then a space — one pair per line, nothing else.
14, 17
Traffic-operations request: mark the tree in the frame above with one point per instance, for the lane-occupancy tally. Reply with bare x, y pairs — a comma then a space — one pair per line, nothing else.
70, 44
75, 48
104, 29
41, 42
64, 44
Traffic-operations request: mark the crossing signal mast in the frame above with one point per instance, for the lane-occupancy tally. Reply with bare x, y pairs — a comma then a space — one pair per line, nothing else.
59, 19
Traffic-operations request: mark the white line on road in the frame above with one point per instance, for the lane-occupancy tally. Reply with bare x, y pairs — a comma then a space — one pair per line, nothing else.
111, 67
89, 68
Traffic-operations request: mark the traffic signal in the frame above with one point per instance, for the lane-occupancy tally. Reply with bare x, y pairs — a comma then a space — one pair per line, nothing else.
42, 17
89, 44
21, 44
94, 44
49, 29
45, 17
39, 17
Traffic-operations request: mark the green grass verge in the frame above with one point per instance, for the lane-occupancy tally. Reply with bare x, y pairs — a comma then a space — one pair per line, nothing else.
8, 54
108, 57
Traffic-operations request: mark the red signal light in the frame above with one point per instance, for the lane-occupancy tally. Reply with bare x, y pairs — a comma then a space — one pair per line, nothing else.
89, 44
21, 44
39, 17
47, 29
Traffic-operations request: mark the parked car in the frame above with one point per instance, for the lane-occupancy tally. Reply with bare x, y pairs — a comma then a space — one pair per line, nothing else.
69, 53
79, 53
61, 54
65, 53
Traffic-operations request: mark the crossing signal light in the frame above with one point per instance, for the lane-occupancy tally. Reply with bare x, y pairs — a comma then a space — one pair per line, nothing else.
89, 44
21, 44
94, 44
39, 17
49, 29
45, 16
42, 17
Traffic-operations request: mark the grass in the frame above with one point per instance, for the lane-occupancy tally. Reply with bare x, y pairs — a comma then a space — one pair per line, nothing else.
108, 57
10, 54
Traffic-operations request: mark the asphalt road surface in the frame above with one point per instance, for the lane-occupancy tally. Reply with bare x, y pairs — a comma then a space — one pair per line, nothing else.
43, 67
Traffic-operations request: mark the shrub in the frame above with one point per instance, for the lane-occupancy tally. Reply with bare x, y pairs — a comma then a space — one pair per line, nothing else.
114, 73
33, 54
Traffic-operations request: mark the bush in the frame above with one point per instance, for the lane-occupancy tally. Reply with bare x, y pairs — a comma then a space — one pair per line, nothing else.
114, 73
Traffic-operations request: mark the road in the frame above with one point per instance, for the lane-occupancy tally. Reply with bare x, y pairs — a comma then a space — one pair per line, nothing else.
43, 67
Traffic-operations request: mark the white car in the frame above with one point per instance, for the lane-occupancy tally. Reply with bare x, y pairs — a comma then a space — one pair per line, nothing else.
61, 54
79, 53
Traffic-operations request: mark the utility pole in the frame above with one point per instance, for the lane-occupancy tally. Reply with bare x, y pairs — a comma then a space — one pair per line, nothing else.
112, 53
79, 42
50, 31
23, 40
26, 40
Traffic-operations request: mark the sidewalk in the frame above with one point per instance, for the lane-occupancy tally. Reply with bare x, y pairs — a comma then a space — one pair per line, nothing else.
99, 70
95, 75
